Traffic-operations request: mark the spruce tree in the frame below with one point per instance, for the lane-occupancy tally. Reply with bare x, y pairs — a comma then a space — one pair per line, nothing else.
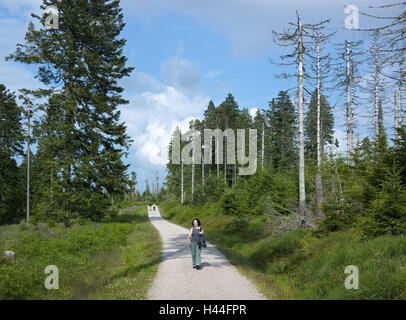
229, 112
282, 120
81, 141
209, 116
327, 126
260, 124
11, 145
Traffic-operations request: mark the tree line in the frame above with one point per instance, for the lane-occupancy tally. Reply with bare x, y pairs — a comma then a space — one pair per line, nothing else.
301, 178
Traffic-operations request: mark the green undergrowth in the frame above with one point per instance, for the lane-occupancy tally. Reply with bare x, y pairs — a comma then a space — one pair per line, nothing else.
301, 264
110, 260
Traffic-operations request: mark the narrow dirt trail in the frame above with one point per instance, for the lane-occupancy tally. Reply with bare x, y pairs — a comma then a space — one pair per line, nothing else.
177, 280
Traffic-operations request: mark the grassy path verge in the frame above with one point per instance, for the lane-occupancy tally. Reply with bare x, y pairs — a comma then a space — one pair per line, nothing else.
111, 260
299, 264
139, 260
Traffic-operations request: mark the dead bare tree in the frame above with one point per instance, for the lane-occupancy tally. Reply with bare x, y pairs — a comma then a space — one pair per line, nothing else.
181, 188
395, 30
294, 39
397, 78
320, 70
283, 219
376, 83
348, 81
393, 35
303, 38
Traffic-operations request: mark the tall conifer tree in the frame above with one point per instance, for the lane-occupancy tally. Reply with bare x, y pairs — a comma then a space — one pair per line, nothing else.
12, 138
80, 139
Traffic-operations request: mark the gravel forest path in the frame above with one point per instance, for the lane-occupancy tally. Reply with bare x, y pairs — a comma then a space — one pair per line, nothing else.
176, 279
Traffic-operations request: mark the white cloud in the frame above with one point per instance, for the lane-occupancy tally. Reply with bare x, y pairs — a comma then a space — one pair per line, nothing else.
152, 117
156, 108
253, 111
153, 144
172, 101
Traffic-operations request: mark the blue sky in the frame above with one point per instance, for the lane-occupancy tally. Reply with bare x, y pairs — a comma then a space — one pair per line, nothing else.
186, 53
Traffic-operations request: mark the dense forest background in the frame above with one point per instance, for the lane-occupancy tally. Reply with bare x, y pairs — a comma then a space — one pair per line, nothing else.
365, 190
301, 181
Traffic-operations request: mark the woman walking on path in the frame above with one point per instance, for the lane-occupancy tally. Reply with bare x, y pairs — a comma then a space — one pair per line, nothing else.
193, 238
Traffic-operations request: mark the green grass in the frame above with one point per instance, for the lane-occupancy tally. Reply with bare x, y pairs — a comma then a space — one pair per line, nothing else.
299, 265
111, 260
140, 260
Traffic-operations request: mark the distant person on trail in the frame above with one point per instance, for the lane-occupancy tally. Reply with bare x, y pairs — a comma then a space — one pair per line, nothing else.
153, 208
193, 239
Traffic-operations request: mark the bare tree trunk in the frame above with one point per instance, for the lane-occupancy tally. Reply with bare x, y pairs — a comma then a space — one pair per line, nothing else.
193, 167
67, 170
400, 93
217, 157
225, 162
263, 144
352, 85
202, 172
318, 109
376, 83
318, 178
181, 195
348, 110
51, 186
28, 162
396, 116
302, 192
398, 104
156, 190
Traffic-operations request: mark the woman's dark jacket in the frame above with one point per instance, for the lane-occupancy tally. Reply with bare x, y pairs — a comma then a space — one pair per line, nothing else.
202, 241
